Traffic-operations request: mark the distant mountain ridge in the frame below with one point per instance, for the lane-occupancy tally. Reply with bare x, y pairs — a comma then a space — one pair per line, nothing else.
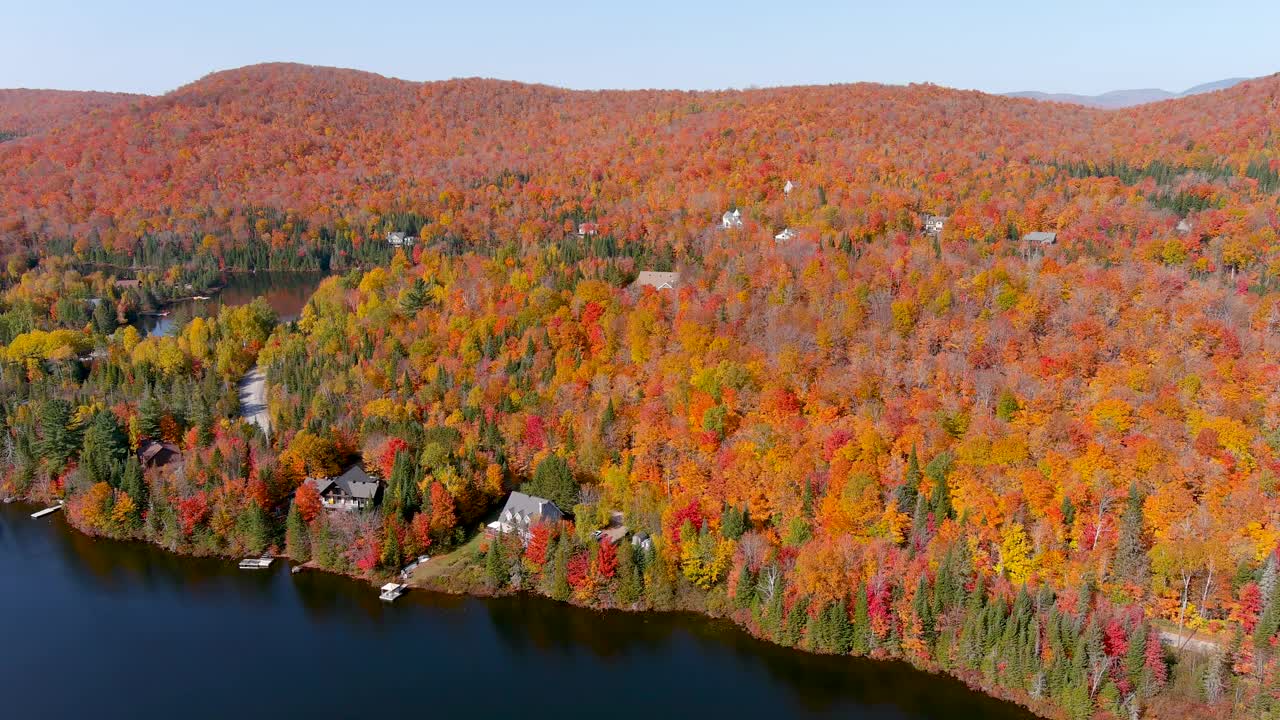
1127, 98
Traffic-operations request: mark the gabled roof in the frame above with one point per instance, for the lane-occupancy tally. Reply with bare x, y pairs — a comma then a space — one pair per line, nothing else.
658, 280
150, 449
525, 510
355, 482
1044, 238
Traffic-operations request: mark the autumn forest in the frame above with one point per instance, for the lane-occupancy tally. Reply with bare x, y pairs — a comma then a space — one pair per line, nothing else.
1047, 465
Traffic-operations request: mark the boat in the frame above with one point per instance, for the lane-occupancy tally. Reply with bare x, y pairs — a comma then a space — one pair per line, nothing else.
260, 563
391, 591
408, 569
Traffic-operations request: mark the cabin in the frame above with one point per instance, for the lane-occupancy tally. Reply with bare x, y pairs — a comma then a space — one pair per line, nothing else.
399, 239
587, 228
788, 187
933, 224
153, 454
657, 280
124, 284
354, 489
1041, 238
731, 220
787, 235
642, 541
521, 513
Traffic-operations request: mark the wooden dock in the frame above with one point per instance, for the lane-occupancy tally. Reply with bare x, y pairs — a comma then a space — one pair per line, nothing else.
47, 511
391, 591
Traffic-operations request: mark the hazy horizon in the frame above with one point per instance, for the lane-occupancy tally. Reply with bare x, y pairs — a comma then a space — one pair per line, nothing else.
1087, 48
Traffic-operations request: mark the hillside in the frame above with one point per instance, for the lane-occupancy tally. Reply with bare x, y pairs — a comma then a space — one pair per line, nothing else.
474, 159
1021, 462
1126, 98
28, 112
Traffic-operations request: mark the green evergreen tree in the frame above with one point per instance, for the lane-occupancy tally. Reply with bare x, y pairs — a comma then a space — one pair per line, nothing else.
733, 522
104, 449
860, 641
495, 565
630, 585
58, 439
560, 570
297, 539
745, 591
132, 482
553, 480
1131, 562
909, 490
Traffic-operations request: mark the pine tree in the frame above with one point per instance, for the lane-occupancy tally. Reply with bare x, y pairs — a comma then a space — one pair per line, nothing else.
104, 449
733, 522
560, 570
744, 594
1131, 563
132, 482
57, 439
296, 537
149, 413
860, 640
908, 491
630, 585
495, 565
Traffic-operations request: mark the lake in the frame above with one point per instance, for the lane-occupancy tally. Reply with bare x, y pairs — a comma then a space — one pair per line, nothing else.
286, 292
95, 628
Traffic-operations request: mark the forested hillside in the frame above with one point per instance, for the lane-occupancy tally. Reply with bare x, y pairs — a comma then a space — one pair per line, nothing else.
1018, 462
29, 112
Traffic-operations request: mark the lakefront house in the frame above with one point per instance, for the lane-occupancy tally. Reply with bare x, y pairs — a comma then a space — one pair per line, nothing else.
521, 513
354, 489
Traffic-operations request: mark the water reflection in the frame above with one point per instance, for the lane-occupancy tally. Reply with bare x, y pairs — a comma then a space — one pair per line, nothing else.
286, 292
97, 616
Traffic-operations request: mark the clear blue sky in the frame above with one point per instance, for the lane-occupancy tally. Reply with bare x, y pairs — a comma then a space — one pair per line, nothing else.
1085, 46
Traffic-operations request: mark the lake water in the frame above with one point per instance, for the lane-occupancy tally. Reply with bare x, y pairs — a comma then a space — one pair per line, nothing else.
286, 292
102, 629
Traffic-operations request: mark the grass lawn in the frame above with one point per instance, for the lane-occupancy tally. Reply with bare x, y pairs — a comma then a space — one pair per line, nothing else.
447, 565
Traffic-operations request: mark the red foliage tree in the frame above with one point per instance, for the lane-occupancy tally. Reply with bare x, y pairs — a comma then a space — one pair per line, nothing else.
308, 501
607, 560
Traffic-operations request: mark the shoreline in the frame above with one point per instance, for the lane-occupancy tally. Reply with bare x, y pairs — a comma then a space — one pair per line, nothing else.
470, 590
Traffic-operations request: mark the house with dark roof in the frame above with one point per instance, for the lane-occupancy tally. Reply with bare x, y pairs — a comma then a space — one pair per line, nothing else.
521, 513
354, 489
157, 454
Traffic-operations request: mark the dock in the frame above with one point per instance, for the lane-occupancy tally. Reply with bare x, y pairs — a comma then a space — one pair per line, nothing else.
261, 563
47, 511
391, 591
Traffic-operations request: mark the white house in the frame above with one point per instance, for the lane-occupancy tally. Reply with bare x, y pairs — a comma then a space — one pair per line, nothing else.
786, 235
399, 239
1184, 226
587, 228
731, 220
933, 224
788, 187
1041, 238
